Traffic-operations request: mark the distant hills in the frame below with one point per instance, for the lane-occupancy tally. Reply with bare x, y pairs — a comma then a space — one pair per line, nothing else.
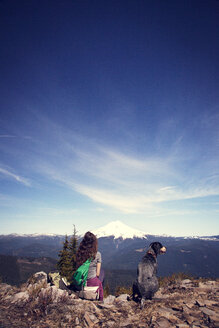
122, 248
16, 270
31, 245
192, 256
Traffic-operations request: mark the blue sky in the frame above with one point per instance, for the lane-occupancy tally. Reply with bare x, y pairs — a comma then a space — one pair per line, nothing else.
109, 111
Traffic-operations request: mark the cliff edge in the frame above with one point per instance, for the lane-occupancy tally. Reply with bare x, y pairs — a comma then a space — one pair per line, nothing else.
182, 304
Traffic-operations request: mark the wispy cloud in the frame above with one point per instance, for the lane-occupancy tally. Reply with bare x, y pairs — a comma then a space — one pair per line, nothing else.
128, 183
14, 176
120, 178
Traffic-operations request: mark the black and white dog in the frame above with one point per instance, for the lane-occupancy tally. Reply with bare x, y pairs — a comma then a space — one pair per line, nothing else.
146, 284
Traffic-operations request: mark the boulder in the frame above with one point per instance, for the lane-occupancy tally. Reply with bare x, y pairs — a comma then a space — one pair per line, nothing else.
21, 297
122, 298
53, 294
109, 299
38, 277
186, 281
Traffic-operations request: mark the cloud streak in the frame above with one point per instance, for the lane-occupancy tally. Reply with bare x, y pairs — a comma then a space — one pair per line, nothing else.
128, 183
15, 177
118, 178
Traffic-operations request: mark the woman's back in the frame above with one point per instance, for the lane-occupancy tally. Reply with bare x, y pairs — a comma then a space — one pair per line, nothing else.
93, 266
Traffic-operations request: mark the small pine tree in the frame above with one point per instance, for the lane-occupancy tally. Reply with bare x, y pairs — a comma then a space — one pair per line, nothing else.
63, 264
67, 257
73, 244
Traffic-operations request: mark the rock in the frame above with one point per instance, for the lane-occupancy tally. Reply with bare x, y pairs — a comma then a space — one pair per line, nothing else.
210, 303
122, 298
126, 323
94, 309
189, 305
53, 294
167, 310
110, 323
109, 299
163, 323
72, 296
186, 281
38, 277
177, 307
214, 316
207, 286
68, 317
5, 288
160, 296
189, 318
93, 318
166, 313
211, 283
105, 306
208, 311
20, 297
88, 320
200, 303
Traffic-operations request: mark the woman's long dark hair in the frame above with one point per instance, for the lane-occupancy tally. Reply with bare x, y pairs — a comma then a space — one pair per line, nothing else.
87, 248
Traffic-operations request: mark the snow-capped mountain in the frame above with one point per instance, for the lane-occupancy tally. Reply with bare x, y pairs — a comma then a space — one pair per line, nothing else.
211, 238
34, 235
122, 247
119, 230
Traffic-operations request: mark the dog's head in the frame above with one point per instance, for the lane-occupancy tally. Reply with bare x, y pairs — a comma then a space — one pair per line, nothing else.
157, 248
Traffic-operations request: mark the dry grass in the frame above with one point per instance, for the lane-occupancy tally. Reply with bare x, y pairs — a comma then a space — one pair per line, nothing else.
177, 277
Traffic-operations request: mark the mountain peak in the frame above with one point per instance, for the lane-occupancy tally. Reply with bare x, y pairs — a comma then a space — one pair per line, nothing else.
119, 230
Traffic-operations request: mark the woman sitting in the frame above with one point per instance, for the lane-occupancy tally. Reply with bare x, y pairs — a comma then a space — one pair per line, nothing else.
88, 250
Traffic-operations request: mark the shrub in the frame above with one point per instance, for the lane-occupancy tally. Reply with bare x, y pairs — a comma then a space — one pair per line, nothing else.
170, 280
106, 290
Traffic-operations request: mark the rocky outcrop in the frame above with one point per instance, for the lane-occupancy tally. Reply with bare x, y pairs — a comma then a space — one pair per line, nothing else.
38, 304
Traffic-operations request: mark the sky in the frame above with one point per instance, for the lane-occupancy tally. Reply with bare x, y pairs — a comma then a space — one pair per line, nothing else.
109, 111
